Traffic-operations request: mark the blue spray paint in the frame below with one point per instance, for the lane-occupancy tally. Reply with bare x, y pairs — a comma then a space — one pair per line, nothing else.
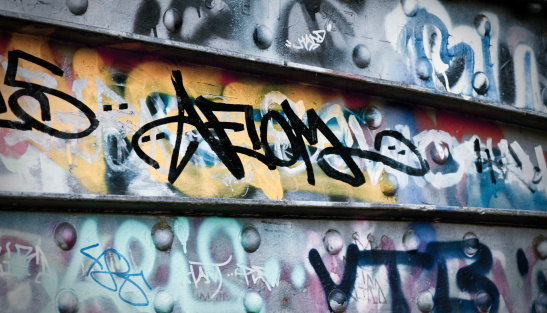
415, 28
106, 270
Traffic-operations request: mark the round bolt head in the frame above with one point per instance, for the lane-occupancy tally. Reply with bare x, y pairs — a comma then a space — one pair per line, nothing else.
163, 302
252, 302
361, 56
411, 240
162, 236
470, 244
77, 7
210, 3
65, 236
544, 42
480, 83
389, 184
439, 152
333, 242
373, 117
541, 303
544, 96
483, 26
534, 7
425, 302
482, 302
410, 7
250, 239
67, 302
298, 276
338, 301
172, 19
540, 247
424, 68
263, 37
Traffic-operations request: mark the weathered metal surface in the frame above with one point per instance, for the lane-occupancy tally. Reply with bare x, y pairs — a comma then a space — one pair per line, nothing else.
225, 207
484, 50
400, 131
80, 120
100, 263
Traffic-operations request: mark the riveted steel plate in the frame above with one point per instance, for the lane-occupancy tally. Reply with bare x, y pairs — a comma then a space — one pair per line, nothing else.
83, 122
491, 52
114, 263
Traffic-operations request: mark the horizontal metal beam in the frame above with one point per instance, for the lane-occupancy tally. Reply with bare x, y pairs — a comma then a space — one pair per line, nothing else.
188, 206
409, 94
93, 262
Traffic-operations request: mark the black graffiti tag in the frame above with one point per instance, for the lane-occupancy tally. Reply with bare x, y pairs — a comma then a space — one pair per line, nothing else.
39, 93
219, 143
471, 278
214, 134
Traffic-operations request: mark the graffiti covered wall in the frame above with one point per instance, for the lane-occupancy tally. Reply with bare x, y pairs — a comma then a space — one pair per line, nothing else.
106, 119
94, 263
488, 51
79, 120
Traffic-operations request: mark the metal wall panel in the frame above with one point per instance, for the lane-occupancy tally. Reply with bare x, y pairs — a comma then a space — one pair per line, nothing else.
273, 156
121, 263
99, 121
490, 51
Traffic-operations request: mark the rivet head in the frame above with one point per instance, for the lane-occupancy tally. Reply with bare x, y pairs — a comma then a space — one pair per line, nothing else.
338, 301
172, 19
544, 41
210, 3
482, 302
263, 37
544, 96
252, 302
411, 240
65, 236
540, 247
541, 303
333, 242
361, 56
67, 302
482, 25
162, 236
425, 302
410, 7
538, 175
533, 7
389, 184
439, 152
470, 244
373, 117
163, 302
77, 7
480, 83
424, 68
298, 276
250, 239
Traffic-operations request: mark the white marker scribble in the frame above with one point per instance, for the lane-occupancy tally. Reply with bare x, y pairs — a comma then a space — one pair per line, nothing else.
30, 254
202, 275
309, 42
256, 273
